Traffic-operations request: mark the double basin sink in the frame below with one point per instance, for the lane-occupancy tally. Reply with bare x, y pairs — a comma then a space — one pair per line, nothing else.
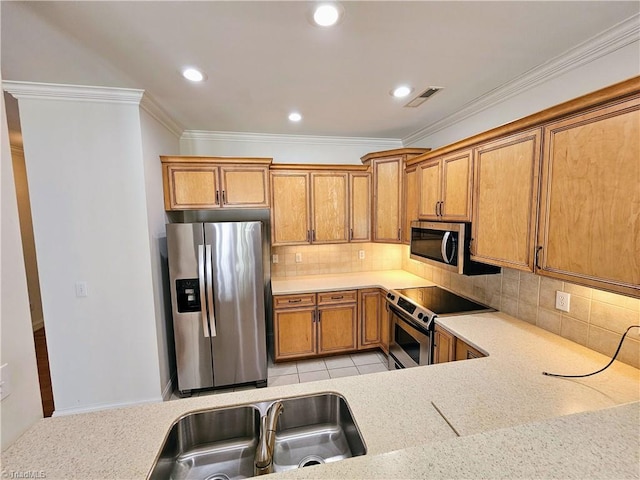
220, 444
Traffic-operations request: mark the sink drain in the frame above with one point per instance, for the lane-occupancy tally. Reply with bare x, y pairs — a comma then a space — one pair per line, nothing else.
311, 460
217, 476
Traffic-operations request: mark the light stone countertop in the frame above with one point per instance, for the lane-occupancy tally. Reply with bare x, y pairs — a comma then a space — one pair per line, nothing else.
503, 407
387, 279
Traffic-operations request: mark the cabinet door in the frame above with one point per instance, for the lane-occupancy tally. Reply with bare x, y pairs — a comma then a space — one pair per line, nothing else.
464, 351
360, 207
370, 331
191, 187
443, 346
330, 213
387, 203
337, 328
456, 187
430, 183
411, 199
294, 331
290, 220
590, 202
244, 187
385, 323
505, 201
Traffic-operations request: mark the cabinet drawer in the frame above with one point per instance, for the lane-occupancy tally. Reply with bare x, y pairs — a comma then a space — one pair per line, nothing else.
344, 296
299, 300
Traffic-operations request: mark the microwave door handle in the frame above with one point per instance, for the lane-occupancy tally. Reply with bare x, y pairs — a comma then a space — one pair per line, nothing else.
443, 248
201, 281
212, 316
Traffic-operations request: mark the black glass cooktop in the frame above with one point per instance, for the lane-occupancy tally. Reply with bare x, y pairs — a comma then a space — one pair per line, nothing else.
441, 301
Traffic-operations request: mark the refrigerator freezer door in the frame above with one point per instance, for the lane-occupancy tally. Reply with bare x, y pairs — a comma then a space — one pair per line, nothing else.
185, 244
239, 347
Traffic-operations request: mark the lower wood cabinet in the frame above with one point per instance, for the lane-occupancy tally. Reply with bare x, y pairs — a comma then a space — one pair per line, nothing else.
336, 328
294, 332
371, 303
326, 324
444, 344
448, 348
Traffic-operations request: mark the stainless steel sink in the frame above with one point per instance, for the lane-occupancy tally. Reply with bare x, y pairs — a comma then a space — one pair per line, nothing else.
210, 445
315, 429
220, 444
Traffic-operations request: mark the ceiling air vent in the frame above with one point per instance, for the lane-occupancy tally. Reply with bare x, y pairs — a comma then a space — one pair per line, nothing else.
420, 99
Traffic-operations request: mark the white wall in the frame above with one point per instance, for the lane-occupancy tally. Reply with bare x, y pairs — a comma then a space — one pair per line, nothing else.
604, 71
23, 406
283, 148
83, 153
159, 140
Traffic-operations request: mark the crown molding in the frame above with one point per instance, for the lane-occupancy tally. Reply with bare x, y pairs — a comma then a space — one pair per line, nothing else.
292, 139
82, 93
153, 108
618, 36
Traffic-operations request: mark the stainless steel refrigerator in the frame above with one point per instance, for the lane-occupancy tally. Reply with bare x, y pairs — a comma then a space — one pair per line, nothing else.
217, 296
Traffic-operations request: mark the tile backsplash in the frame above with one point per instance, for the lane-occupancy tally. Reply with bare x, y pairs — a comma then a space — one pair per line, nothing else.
596, 319
336, 258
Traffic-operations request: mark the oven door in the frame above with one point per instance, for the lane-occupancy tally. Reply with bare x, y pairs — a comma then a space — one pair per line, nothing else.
408, 346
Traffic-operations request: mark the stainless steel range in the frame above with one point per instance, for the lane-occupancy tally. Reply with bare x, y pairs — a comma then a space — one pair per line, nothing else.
413, 311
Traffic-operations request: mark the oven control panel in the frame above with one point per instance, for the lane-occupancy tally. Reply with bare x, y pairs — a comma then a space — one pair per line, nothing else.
417, 313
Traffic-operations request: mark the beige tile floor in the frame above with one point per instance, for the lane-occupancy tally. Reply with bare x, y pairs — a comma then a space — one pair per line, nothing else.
311, 370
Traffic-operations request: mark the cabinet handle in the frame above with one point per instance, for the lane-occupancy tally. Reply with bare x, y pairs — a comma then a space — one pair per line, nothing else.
436, 208
217, 197
537, 257
471, 355
298, 300
441, 208
313, 235
224, 197
308, 235
399, 230
351, 234
337, 297
319, 316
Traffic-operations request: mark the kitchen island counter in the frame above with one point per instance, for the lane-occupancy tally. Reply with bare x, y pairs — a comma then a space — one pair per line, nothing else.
410, 419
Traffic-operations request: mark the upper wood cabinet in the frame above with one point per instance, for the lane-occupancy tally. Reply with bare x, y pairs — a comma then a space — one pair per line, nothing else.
387, 168
445, 187
320, 205
329, 207
215, 182
589, 227
505, 196
411, 199
360, 206
290, 216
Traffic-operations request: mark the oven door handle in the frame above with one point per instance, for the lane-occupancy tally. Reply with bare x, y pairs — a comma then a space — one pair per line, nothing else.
443, 248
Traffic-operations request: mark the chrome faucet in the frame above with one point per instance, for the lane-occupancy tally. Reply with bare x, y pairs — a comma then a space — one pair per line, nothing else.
263, 461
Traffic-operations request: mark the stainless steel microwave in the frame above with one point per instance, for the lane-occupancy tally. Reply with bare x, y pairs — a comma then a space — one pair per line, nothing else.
446, 245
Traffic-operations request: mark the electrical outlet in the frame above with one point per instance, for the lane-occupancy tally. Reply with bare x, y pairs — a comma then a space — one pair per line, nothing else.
81, 289
298, 258
563, 300
275, 258
361, 254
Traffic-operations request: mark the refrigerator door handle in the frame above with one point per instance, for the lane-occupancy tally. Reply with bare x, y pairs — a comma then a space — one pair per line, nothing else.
203, 304
212, 316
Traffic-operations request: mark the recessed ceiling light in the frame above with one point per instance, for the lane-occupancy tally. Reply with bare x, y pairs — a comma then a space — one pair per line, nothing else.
401, 91
327, 14
193, 74
295, 117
